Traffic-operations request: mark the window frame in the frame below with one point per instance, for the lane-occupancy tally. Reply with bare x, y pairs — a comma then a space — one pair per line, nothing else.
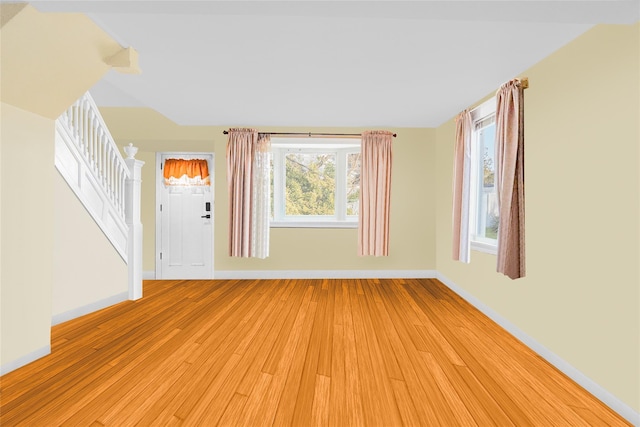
478, 115
280, 147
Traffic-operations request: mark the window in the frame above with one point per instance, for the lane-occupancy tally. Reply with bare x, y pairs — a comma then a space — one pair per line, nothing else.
484, 215
315, 183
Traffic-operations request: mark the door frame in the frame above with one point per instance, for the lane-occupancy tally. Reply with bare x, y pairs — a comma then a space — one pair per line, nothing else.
159, 177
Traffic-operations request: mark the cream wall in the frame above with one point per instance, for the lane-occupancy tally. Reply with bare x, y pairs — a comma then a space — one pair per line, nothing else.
86, 267
580, 298
412, 228
27, 232
412, 240
50, 59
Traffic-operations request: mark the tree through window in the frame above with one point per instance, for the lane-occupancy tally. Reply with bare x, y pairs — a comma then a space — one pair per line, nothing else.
315, 183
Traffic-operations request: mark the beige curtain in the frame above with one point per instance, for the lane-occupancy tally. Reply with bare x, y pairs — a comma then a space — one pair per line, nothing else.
461, 187
375, 194
510, 182
240, 149
261, 205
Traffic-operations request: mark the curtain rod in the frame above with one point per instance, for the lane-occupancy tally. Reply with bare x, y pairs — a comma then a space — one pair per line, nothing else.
312, 134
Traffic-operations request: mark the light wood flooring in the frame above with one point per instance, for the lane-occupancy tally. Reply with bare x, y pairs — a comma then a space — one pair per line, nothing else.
293, 353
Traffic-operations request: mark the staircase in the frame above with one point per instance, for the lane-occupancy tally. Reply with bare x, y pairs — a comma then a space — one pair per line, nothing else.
107, 184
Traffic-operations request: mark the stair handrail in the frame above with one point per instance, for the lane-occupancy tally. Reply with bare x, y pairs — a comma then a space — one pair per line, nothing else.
91, 136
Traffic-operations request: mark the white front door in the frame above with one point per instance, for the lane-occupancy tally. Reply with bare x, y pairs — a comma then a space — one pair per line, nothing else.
184, 230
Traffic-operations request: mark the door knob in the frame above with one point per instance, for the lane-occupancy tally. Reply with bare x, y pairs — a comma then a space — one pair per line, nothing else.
206, 216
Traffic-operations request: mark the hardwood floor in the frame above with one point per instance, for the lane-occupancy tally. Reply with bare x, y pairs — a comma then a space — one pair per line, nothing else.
293, 353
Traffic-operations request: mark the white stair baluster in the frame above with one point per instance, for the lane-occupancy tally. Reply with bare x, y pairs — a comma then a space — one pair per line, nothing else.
85, 127
94, 147
109, 171
92, 140
103, 164
76, 119
123, 175
112, 182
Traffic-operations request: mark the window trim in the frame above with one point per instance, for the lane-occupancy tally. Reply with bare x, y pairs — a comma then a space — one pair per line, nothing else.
478, 114
342, 148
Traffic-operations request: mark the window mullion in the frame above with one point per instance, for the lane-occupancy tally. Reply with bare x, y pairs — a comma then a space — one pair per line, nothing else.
341, 185
278, 185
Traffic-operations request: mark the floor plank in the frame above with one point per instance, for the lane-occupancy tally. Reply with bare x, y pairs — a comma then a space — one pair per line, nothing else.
323, 352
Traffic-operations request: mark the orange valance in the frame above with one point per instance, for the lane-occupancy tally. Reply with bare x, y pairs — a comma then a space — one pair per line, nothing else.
176, 170
191, 168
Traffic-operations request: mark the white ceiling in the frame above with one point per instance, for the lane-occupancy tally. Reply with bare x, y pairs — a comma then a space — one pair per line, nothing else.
329, 63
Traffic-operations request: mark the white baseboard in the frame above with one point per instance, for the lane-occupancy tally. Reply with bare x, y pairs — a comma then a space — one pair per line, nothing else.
25, 360
89, 308
323, 274
587, 383
148, 275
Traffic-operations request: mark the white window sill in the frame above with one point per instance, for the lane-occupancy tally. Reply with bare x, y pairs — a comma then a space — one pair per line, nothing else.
484, 247
313, 224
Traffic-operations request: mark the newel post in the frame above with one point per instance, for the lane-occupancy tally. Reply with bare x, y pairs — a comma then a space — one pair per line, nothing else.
132, 218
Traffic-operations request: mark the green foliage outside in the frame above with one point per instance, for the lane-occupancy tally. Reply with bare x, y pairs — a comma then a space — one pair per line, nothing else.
491, 231
310, 184
353, 183
493, 221
488, 169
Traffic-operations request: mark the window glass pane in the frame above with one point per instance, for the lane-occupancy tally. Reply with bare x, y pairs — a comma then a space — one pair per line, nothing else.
310, 184
487, 203
353, 183
315, 183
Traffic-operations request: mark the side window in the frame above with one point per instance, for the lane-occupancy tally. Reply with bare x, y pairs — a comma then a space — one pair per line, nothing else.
484, 213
